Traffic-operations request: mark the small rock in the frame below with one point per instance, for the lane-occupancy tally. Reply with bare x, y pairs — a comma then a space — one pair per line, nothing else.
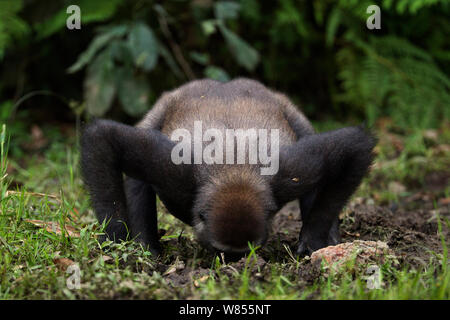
363, 251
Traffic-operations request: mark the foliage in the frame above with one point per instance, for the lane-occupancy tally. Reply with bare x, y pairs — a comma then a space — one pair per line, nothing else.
129, 51
319, 52
387, 74
31, 266
396, 78
125, 52
92, 11
11, 25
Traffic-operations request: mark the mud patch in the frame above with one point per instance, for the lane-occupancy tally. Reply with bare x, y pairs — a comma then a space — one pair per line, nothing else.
412, 235
188, 276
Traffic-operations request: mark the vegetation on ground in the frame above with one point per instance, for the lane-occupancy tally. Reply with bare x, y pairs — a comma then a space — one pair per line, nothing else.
47, 224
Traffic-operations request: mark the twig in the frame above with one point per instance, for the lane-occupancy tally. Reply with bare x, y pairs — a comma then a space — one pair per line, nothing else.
175, 47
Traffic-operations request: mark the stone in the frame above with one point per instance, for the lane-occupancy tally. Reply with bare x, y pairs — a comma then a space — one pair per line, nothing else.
363, 252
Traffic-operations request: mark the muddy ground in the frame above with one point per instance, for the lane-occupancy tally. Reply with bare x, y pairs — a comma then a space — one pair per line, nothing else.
410, 228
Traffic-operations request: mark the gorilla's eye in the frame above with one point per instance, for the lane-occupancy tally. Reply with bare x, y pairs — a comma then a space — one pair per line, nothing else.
295, 179
202, 216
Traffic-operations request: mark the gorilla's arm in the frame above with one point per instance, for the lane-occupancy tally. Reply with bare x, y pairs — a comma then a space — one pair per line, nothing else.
330, 166
109, 150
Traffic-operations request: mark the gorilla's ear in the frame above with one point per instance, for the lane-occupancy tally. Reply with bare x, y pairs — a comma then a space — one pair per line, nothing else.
319, 158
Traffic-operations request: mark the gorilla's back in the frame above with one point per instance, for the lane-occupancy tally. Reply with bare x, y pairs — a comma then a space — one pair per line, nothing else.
238, 104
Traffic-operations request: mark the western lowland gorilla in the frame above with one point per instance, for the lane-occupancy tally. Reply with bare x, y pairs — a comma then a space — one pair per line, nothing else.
229, 202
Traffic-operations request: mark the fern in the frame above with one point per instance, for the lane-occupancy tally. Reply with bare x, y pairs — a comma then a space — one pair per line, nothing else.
411, 6
394, 77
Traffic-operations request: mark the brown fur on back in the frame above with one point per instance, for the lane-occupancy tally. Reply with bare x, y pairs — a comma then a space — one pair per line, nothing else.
238, 104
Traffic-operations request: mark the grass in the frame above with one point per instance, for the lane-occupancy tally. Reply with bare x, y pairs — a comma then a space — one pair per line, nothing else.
32, 264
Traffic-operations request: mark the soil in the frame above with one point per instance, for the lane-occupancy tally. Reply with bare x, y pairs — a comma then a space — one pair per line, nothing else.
412, 234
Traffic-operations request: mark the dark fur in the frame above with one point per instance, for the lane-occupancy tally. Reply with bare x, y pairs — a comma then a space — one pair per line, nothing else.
229, 205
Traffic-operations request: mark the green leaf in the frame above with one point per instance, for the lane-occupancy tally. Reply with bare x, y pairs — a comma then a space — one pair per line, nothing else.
9, 6
226, 9
121, 52
200, 58
91, 11
333, 22
209, 27
216, 73
169, 60
98, 43
134, 93
244, 54
143, 46
100, 85
11, 25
